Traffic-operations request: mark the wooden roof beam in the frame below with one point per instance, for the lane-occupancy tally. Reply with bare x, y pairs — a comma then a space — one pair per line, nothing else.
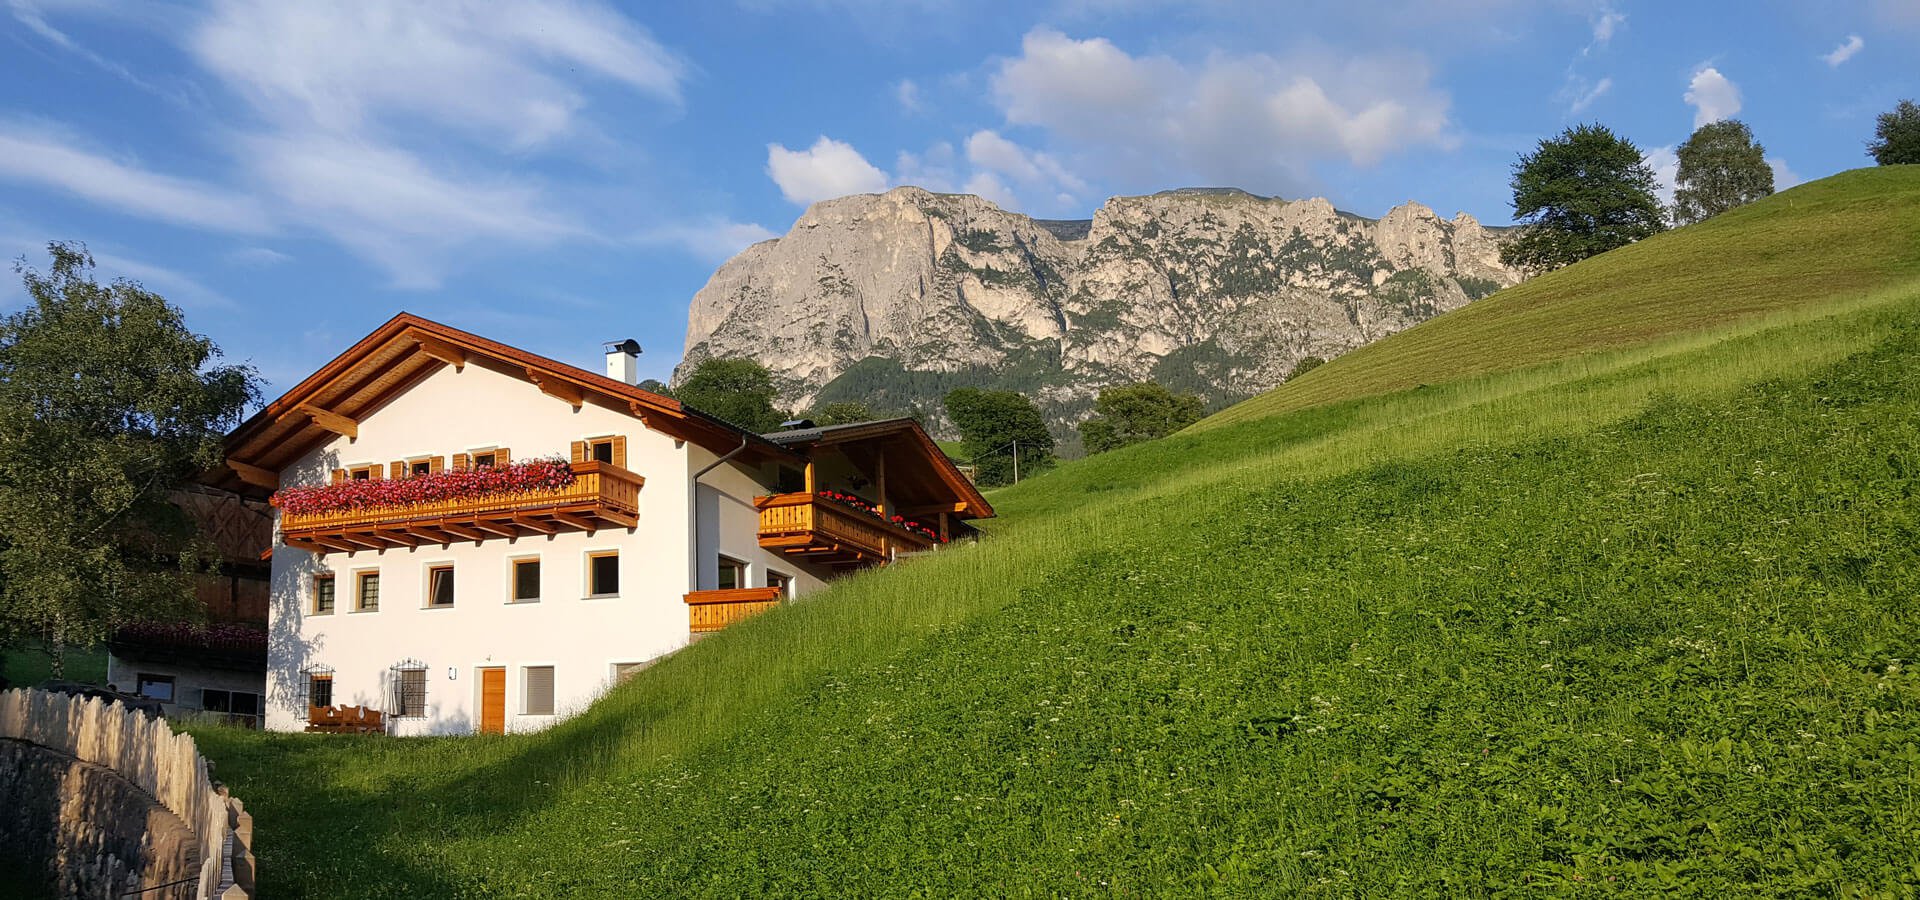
442, 351
581, 522
557, 387
931, 508
255, 475
331, 421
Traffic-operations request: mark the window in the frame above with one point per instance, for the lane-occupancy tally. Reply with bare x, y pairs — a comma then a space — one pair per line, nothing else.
368, 593
733, 574
602, 450
783, 582
611, 449
439, 585
239, 707
537, 684
319, 690
410, 692
526, 580
603, 573
485, 460
626, 670
364, 473
323, 595
418, 467
156, 687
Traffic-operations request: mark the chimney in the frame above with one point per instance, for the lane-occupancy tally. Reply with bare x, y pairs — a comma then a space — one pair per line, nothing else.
623, 361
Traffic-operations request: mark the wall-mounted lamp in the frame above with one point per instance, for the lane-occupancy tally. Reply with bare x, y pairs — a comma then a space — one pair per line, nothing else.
453, 674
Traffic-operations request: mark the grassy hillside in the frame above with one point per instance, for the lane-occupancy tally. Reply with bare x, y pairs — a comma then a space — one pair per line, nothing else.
1805, 247
1635, 621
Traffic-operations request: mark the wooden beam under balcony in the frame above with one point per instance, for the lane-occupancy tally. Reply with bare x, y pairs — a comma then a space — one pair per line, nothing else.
581, 522
332, 421
462, 531
535, 524
254, 475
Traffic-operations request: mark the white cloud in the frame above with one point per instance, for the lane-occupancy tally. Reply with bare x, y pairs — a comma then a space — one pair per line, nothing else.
989, 151
934, 170
824, 171
258, 257
1845, 51
53, 160
495, 70
1585, 98
1665, 164
908, 94
1253, 120
714, 240
990, 186
389, 206
1783, 177
1712, 95
1605, 23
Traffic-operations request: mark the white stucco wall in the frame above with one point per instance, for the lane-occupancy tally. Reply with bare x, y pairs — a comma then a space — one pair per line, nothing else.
730, 525
455, 412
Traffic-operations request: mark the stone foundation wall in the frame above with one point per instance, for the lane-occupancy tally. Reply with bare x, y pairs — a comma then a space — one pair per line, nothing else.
103, 801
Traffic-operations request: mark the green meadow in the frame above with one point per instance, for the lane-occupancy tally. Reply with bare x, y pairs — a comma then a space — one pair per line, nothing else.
1606, 589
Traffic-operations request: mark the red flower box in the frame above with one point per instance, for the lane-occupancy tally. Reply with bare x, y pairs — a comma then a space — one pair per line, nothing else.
529, 476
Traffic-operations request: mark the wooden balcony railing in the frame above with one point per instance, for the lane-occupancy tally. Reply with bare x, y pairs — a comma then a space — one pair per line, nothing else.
806, 526
714, 610
602, 495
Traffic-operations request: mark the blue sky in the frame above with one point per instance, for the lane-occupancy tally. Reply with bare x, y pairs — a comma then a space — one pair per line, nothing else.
556, 173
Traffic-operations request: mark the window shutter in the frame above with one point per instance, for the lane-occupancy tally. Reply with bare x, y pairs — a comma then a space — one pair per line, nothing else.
539, 690
339, 475
462, 462
620, 450
397, 468
437, 464
501, 457
579, 451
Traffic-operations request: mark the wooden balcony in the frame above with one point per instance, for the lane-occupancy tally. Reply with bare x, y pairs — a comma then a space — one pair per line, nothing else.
714, 610
821, 531
602, 495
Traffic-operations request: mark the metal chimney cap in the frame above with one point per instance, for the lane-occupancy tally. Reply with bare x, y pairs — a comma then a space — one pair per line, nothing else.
629, 346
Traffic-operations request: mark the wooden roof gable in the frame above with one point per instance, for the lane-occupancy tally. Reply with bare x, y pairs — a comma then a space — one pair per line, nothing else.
401, 354
918, 471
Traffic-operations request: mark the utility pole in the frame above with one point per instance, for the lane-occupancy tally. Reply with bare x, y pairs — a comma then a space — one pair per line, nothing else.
1016, 461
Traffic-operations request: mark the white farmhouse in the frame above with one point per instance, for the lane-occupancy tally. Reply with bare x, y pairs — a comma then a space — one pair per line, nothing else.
473, 538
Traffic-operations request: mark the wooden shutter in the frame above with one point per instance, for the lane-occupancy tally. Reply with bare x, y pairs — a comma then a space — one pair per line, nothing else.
398, 468
437, 464
620, 450
339, 475
462, 462
539, 690
501, 457
579, 451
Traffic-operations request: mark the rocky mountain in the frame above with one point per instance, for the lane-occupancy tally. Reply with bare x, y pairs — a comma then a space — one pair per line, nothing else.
896, 298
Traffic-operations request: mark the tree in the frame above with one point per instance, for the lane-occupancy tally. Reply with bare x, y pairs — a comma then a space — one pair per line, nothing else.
1721, 167
991, 423
107, 404
737, 390
1305, 365
1129, 414
1580, 194
1897, 136
844, 412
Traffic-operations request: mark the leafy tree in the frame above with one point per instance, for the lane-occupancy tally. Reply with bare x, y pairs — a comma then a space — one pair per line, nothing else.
1897, 136
1129, 414
737, 390
844, 412
1721, 167
1580, 194
1305, 365
990, 423
107, 404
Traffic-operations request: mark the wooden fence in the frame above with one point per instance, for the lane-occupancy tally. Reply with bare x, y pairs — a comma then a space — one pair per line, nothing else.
144, 751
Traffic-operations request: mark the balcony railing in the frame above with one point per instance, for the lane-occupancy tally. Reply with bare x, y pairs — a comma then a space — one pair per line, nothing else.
714, 610
601, 495
818, 530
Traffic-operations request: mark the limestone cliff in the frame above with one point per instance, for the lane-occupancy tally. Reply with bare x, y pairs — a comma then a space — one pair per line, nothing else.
897, 297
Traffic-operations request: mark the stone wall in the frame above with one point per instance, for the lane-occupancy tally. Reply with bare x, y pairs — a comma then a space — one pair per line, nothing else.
105, 801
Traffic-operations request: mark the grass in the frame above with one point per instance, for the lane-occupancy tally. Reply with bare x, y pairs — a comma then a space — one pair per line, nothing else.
1634, 621
32, 664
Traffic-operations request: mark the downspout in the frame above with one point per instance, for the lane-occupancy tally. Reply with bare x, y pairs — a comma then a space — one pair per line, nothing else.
693, 514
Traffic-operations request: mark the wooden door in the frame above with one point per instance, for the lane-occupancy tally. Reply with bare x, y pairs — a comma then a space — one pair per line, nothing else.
493, 701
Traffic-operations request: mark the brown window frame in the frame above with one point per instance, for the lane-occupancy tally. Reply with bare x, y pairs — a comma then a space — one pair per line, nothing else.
739, 569
513, 579
330, 593
360, 603
369, 472
314, 681
435, 573
593, 557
